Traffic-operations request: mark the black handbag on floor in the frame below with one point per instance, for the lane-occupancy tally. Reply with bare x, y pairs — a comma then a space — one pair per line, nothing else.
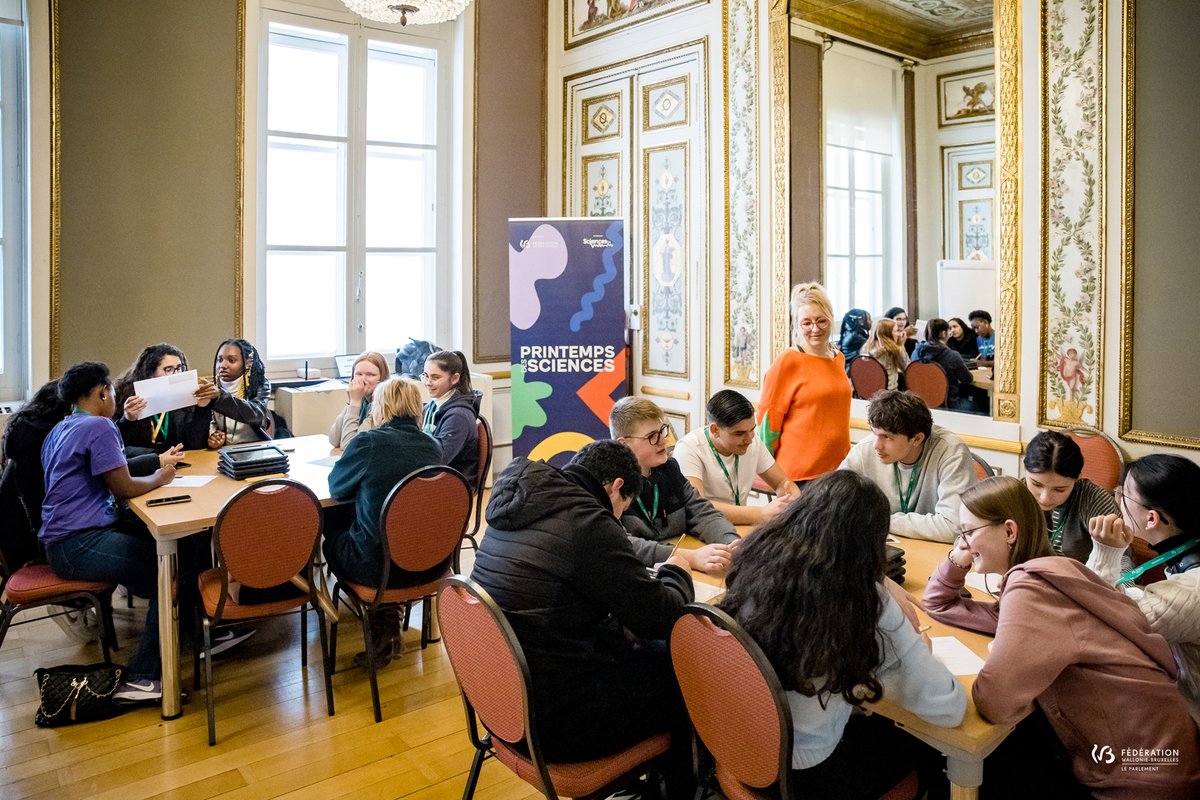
73, 693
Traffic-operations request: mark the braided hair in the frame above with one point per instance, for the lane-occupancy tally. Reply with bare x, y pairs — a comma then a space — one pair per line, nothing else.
254, 372
142, 368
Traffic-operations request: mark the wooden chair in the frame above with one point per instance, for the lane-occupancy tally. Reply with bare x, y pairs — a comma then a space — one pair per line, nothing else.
35, 584
493, 677
485, 466
421, 526
265, 536
1103, 461
928, 382
750, 740
867, 376
982, 468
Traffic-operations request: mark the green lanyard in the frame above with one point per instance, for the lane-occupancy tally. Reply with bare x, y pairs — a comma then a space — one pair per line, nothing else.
159, 425
642, 506
1137, 572
912, 485
363, 410
737, 494
430, 411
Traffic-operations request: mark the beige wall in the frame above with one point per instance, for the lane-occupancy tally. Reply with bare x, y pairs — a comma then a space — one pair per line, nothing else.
147, 102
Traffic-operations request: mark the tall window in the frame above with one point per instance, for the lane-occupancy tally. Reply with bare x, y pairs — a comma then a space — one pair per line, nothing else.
350, 236
863, 203
13, 258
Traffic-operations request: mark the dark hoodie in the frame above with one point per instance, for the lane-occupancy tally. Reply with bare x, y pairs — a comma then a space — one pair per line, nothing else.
1085, 655
455, 430
560, 565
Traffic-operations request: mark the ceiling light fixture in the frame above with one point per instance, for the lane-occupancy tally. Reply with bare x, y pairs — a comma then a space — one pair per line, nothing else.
429, 12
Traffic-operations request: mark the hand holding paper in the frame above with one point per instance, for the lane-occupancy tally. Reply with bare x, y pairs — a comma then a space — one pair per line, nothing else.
167, 393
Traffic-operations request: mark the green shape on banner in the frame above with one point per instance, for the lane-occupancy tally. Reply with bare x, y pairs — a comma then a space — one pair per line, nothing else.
526, 412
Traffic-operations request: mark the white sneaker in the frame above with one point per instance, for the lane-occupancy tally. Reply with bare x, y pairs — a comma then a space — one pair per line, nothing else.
227, 638
130, 692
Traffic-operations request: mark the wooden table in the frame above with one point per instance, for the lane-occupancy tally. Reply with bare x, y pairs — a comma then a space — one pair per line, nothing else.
966, 745
983, 378
169, 524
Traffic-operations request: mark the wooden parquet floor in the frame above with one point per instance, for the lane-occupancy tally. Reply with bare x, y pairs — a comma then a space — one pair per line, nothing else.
274, 738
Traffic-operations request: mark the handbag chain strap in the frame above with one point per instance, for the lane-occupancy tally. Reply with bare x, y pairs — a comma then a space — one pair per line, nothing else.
78, 685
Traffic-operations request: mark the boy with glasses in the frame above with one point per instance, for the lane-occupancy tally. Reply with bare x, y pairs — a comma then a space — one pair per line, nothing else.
668, 505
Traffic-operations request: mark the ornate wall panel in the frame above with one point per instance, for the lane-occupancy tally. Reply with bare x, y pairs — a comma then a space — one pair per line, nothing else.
666, 256
1072, 285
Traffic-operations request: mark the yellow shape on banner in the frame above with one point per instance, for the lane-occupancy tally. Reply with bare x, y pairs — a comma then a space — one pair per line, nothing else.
565, 442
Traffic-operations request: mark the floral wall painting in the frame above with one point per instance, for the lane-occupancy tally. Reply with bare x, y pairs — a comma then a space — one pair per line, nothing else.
965, 97
666, 257
665, 104
587, 20
601, 118
1072, 213
977, 229
601, 185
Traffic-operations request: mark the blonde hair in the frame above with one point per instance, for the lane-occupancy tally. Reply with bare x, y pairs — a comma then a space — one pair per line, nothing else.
628, 412
395, 397
882, 346
1003, 497
375, 358
809, 294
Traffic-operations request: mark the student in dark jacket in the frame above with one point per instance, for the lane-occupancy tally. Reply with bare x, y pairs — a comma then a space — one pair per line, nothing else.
370, 467
557, 561
23, 484
450, 414
960, 394
188, 427
240, 413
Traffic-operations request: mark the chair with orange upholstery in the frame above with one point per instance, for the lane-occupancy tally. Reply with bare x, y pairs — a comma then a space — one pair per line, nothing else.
422, 524
750, 741
493, 677
265, 536
35, 584
982, 468
485, 466
867, 376
1103, 461
928, 382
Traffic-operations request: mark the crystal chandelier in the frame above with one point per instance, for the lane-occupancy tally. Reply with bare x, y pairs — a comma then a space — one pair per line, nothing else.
428, 12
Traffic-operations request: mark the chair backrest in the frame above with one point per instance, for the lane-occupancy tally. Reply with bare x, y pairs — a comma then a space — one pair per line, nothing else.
424, 517
928, 382
751, 739
867, 376
485, 467
488, 662
1102, 458
267, 533
982, 468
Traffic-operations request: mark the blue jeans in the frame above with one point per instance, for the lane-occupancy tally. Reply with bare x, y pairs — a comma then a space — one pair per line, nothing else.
122, 553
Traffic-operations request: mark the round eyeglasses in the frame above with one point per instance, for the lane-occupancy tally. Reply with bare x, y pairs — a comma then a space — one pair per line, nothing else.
655, 438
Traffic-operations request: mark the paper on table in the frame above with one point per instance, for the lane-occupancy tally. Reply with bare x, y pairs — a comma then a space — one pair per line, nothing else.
984, 582
191, 481
705, 592
167, 393
956, 656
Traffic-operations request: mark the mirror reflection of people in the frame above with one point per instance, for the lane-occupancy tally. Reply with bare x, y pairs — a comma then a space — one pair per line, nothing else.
1074, 663
985, 336
1053, 463
856, 325
906, 332
368, 371
1158, 502
884, 346
808, 586
960, 395
962, 339
804, 409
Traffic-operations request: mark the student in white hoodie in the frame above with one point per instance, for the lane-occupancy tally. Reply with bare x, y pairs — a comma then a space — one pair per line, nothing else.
922, 468
808, 585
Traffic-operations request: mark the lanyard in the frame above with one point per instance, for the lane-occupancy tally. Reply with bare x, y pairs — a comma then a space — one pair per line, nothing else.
912, 485
160, 424
430, 411
363, 411
737, 494
1056, 534
642, 506
1134, 574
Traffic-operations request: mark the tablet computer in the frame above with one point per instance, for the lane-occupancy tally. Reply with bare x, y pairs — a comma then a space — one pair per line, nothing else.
345, 365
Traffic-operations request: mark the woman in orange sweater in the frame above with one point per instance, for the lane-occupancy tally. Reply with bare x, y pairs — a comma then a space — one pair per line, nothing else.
804, 412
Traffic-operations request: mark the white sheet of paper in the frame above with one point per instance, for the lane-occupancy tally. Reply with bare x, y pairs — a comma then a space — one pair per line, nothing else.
956, 656
191, 481
706, 591
977, 580
167, 393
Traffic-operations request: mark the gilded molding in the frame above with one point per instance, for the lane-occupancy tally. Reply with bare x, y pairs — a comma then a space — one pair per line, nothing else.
55, 196
673, 394
687, 103
1009, 127
778, 36
239, 178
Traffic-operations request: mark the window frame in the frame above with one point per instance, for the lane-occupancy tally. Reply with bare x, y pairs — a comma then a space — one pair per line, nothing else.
887, 203
14, 252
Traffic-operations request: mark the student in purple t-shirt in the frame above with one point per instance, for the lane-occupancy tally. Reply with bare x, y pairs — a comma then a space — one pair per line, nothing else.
86, 534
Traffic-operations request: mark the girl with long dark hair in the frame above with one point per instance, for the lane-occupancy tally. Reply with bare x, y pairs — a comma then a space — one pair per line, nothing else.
172, 431
808, 586
239, 414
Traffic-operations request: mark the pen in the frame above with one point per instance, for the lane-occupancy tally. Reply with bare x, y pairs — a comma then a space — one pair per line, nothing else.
677, 543
923, 628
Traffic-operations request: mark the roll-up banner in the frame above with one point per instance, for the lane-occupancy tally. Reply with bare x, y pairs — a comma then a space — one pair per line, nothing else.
567, 308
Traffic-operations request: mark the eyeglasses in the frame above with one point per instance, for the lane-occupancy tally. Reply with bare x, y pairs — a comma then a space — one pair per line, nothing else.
810, 324
1119, 493
171, 370
655, 438
967, 534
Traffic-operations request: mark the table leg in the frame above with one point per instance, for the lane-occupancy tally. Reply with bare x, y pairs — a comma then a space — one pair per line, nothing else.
168, 627
966, 776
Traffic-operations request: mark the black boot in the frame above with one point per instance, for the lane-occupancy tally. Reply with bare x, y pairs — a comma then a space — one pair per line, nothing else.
385, 636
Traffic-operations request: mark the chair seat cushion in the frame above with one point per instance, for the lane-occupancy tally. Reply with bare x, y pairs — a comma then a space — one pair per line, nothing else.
366, 594
210, 595
583, 777
37, 583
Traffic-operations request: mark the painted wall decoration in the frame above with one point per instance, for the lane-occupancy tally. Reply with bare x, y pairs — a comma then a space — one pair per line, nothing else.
974, 175
566, 279
977, 228
667, 260
601, 186
592, 19
681, 424
665, 104
601, 118
969, 202
967, 96
742, 331
1069, 390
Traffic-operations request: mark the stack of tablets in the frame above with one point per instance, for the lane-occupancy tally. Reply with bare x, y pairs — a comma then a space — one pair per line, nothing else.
240, 463
895, 563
